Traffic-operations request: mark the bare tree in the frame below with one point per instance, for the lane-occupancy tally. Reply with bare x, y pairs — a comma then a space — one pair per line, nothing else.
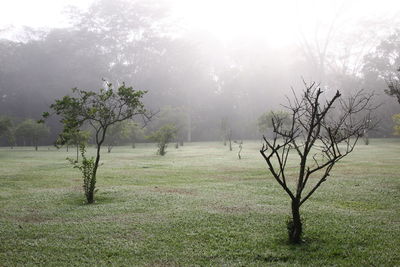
322, 132
240, 144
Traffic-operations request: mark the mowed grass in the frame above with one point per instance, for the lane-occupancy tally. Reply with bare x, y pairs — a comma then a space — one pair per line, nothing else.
197, 206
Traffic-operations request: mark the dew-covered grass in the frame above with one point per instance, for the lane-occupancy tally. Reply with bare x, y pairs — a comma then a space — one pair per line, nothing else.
197, 206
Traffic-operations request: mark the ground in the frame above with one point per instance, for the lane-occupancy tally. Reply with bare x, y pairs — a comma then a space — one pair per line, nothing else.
198, 205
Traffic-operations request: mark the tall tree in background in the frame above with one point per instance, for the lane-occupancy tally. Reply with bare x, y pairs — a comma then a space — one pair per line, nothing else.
125, 33
32, 132
7, 130
381, 73
116, 134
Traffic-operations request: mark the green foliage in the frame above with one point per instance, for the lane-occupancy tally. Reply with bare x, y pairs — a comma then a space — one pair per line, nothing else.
73, 137
133, 132
176, 116
117, 133
101, 110
265, 121
5, 125
163, 136
30, 130
396, 127
7, 129
87, 168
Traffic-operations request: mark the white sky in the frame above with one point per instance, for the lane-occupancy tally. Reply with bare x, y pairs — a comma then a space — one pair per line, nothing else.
36, 13
276, 20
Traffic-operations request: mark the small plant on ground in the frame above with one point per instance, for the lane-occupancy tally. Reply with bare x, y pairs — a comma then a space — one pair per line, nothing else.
86, 166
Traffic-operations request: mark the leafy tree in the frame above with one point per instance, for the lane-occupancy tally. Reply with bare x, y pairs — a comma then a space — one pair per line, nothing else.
264, 122
133, 132
30, 130
100, 110
5, 125
323, 131
163, 136
7, 129
394, 86
174, 116
75, 137
116, 133
396, 120
379, 73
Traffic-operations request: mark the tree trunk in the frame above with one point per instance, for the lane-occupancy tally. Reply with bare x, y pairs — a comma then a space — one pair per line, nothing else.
99, 142
189, 133
77, 152
90, 193
366, 137
295, 227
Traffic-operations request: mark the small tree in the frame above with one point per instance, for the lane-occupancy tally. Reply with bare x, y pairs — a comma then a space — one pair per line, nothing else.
229, 137
86, 167
174, 116
240, 144
163, 136
396, 127
7, 129
32, 131
133, 132
264, 122
394, 86
321, 134
5, 125
74, 137
116, 133
224, 127
100, 110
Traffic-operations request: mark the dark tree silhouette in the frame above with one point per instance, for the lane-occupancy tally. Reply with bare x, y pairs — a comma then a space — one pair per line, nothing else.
321, 133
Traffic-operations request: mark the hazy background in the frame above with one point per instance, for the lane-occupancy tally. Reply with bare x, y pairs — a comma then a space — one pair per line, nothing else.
210, 63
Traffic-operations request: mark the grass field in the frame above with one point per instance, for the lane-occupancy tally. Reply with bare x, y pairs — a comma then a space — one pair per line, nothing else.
198, 205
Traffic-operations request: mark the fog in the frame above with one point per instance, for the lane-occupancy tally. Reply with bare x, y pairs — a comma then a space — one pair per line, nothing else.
205, 64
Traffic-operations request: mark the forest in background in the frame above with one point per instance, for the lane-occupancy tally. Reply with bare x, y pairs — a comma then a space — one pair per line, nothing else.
193, 79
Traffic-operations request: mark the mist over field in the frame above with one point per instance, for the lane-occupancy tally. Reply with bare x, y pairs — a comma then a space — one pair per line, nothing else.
215, 61
199, 133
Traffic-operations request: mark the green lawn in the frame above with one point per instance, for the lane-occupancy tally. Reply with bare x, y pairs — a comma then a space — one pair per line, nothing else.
198, 205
